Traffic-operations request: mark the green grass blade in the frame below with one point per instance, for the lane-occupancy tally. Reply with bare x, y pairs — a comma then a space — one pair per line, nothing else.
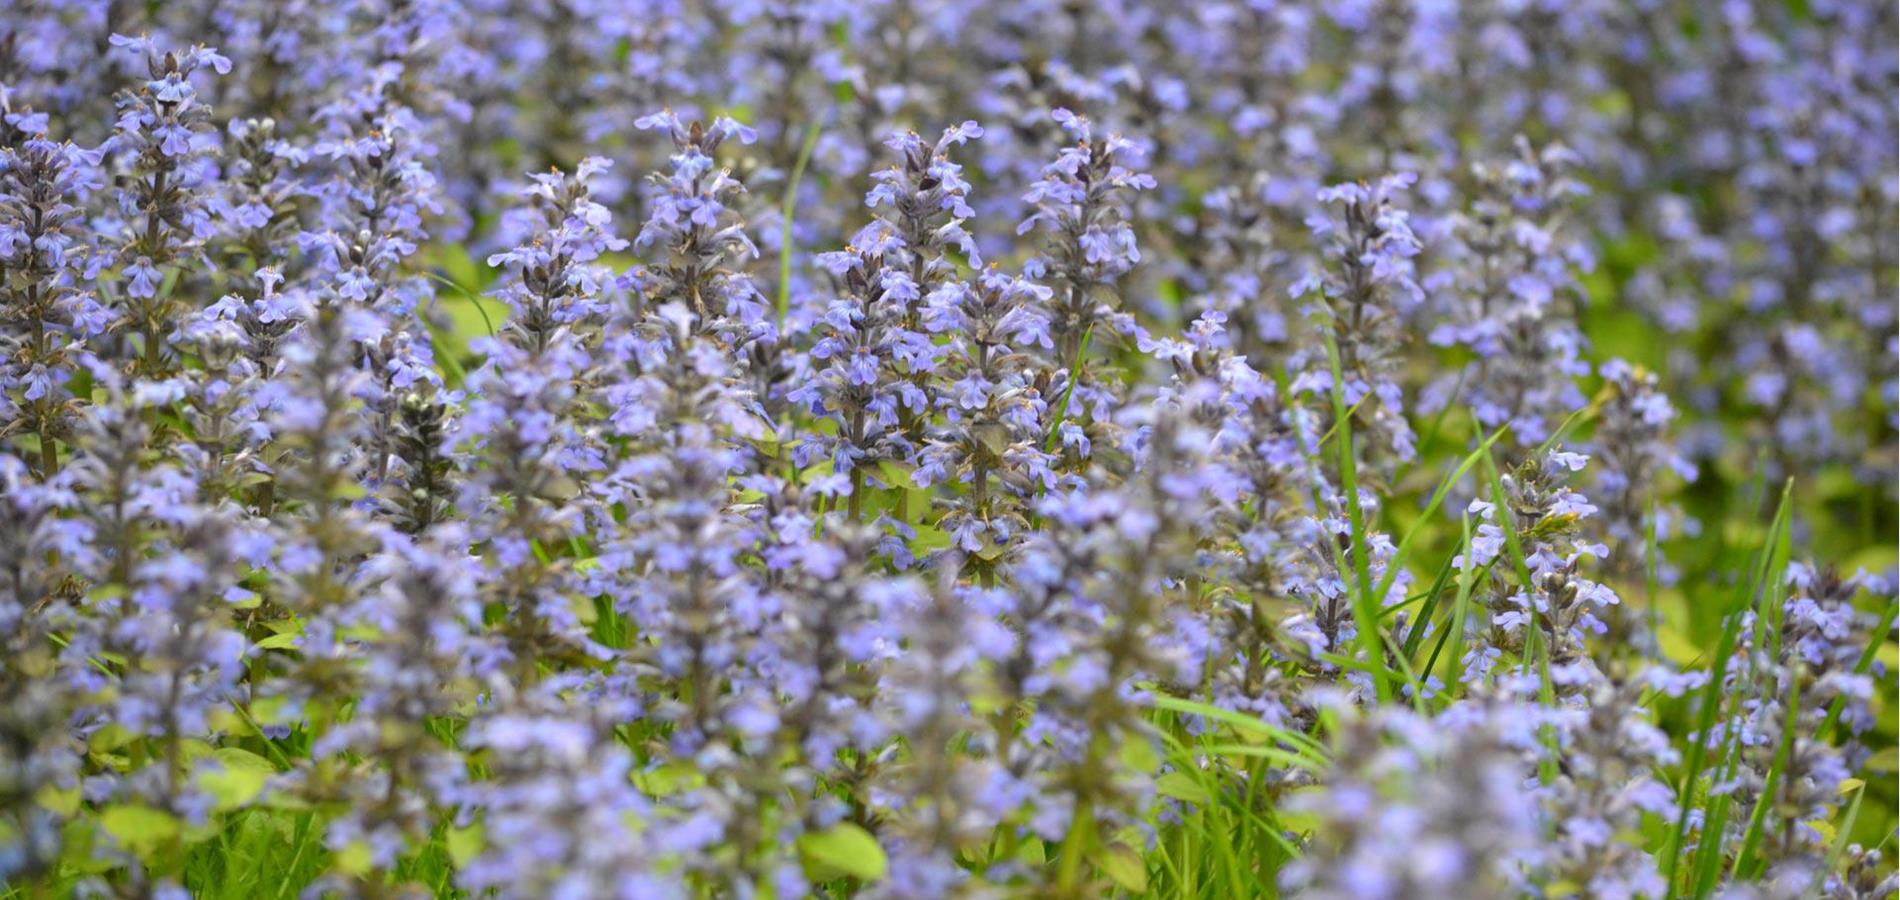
1712, 697
788, 209
1365, 611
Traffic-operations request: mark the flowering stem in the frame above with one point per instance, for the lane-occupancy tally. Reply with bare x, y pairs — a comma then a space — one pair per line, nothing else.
1070, 868
856, 503
152, 353
786, 210
49, 456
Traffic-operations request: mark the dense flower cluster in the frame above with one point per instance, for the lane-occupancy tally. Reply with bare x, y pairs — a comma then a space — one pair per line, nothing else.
1353, 449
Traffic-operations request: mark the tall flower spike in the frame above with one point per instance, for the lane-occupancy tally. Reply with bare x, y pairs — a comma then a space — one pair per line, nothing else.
1362, 297
923, 198
1612, 766
37, 752
1241, 262
940, 808
1514, 297
925, 201
1637, 457
1255, 551
315, 412
531, 439
701, 240
373, 212
420, 661
1082, 205
557, 295
1560, 603
859, 364
673, 566
258, 209
220, 405
1806, 675
560, 812
1094, 593
162, 143
48, 314
374, 208
165, 569
990, 444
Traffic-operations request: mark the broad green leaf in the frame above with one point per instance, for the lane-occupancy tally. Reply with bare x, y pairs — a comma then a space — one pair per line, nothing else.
1884, 760
667, 780
110, 737
235, 777
1123, 866
1033, 853
464, 843
62, 802
354, 859
844, 848
284, 641
138, 828
1677, 646
1139, 753
1182, 786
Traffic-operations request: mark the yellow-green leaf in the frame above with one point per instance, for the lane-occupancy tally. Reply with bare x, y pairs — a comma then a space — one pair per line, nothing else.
845, 849
1677, 646
284, 641
1139, 753
464, 843
110, 737
1033, 853
354, 859
668, 780
1123, 866
62, 802
138, 828
1182, 786
1886, 759
235, 776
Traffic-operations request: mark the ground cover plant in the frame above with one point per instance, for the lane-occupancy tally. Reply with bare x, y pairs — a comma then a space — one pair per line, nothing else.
926, 449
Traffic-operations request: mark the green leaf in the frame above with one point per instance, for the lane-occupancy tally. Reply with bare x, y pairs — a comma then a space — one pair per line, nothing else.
236, 777
63, 802
1182, 786
354, 859
1884, 760
138, 828
284, 641
1123, 866
1139, 754
1033, 853
843, 848
464, 843
110, 737
1303, 744
456, 263
668, 780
